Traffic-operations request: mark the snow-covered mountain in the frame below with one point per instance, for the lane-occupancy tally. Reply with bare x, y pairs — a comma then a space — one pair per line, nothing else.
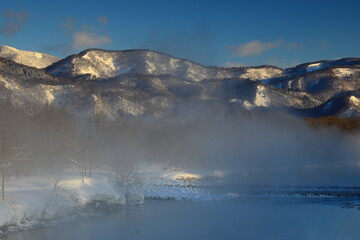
31, 59
144, 83
101, 64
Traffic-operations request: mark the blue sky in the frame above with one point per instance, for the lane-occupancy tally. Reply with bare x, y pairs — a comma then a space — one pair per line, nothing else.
277, 32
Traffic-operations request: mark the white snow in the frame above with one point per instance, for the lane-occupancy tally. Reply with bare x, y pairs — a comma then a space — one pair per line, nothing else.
235, 100
33, 199
98, 187
28, 58
182, 184
183, 176
6, 213
157, 83
38, 198
36, 94
104, 64
354, 100
261, 100
88, 70
38, 55
261, 73
130, 108
344, 72
105, 60
49, 96
246, 104
174, 63
289, 84
315, 66
150, 67
8, 84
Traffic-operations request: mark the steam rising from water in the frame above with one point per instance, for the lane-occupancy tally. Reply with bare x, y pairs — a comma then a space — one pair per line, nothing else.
261, 149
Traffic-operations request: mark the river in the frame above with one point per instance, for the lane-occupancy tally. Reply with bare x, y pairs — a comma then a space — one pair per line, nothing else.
229, 219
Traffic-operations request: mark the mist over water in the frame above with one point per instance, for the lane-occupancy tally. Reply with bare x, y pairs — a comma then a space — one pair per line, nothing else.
236, 219
261, 149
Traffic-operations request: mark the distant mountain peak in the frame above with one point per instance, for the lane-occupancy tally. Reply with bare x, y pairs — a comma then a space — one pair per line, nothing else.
28, 58
103, 64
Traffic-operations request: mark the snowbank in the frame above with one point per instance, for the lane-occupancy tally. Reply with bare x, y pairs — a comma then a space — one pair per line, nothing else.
6, 214
98, 187
31, 200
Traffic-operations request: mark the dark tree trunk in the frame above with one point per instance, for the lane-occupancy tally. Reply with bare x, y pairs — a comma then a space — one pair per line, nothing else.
3, 183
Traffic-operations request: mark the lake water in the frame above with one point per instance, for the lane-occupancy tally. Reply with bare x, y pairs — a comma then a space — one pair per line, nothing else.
229, 219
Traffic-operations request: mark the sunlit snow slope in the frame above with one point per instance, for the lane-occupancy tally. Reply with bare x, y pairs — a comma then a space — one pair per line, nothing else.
31, 59
100, 64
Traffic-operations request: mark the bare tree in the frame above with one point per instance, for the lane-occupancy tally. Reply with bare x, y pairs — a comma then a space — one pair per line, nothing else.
165, 146
12, 148
82, 159
96, 138
125, 173
54, 135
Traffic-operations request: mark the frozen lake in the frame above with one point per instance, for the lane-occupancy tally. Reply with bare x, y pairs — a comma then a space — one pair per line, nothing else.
231, 219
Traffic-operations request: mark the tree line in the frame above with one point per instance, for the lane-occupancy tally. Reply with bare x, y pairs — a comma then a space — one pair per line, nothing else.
49, 140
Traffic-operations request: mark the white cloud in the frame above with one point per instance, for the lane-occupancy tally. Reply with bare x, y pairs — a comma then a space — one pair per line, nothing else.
253, 48
11, 22
102, 19
84, 39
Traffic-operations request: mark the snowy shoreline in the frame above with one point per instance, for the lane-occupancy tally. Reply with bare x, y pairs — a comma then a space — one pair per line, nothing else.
36, 201
33, 201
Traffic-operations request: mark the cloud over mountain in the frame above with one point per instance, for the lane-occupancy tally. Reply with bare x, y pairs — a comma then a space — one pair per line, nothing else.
84, 39
253, 48
12, 22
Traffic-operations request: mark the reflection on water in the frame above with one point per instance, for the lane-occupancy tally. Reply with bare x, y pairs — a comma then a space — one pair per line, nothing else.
235, 219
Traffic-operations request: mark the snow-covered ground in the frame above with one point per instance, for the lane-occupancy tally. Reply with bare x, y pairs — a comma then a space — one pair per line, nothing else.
262, 73
34, 199
31, 200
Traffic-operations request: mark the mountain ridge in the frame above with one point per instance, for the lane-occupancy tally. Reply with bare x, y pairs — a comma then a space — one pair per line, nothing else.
141, 82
